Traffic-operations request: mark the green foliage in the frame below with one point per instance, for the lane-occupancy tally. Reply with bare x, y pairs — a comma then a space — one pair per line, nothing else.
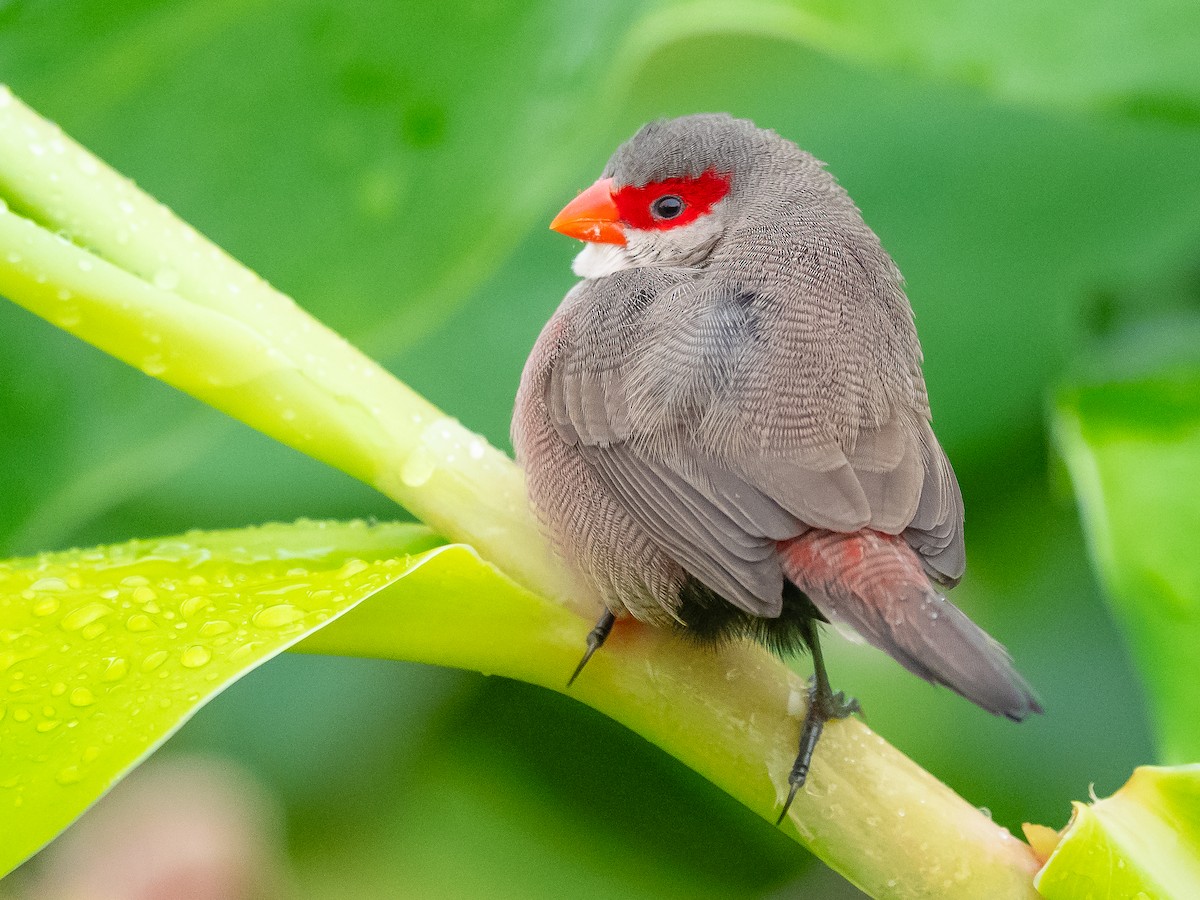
390, 167
1144, 841
109, 651
1131, 438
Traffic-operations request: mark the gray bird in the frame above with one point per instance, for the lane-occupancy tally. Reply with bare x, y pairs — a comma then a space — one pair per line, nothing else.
725, 428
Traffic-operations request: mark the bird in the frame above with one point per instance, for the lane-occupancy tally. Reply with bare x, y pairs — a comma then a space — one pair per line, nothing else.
725, 428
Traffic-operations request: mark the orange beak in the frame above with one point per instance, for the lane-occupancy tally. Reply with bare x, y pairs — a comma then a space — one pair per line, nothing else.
592, 216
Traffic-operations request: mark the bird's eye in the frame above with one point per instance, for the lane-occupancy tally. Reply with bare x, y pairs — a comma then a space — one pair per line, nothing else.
667, 207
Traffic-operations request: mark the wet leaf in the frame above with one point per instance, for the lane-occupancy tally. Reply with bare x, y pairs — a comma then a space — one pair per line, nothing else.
1142, 842
105, 653
1131, 439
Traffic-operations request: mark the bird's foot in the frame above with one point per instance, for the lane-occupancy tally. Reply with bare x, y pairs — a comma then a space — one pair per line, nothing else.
595, 640
824, 705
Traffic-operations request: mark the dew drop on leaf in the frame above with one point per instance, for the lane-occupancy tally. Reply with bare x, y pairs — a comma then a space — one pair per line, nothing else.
195, 656
84, 615
117, 669
278, 616
154, 660
215, 627
49, 584
144, 594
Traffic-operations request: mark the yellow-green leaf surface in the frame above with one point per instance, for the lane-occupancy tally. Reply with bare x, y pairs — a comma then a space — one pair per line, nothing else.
1142, 842
1132, 445
111, 650
105, 653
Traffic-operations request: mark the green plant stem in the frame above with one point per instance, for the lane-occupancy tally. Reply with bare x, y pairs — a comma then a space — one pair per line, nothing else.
87, 250
82, 247
867, 810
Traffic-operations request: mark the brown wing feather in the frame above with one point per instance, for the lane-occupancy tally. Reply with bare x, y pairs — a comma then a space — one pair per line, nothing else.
647, 393
875, 584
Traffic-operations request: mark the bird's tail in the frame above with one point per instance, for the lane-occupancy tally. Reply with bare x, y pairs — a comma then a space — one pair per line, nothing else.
875, 584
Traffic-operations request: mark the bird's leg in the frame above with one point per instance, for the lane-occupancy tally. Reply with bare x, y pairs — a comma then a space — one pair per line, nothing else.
823, 705
595, 640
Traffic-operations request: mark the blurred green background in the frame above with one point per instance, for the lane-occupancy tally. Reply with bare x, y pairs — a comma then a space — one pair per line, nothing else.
393, 167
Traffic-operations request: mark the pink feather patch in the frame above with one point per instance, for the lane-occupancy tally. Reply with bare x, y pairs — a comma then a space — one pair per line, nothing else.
699, 196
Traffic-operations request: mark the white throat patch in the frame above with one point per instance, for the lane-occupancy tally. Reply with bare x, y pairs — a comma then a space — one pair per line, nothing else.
599, 260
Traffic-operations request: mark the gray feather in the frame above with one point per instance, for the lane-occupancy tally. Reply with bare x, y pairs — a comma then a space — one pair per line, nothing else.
747, 377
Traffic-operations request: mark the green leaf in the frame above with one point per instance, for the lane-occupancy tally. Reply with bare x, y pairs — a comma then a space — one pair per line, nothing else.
1099, 55
105, 653
1142, 842
1132, 445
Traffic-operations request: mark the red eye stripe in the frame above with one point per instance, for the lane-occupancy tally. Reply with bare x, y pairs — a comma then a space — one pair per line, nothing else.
699, 196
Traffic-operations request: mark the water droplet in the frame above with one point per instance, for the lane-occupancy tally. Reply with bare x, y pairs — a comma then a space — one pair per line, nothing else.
85, 265
195, 656
153, 364
140, 623
86, 164
351, 568
476, 448
49, 584
47, 725
67, 317
116, 669
154, 660
91, 754
215, 627
144, 594
193, 605
248, 649
94, 630
13, 256
37, 149
21, 715
166, 279
45, 607
278, 616
418, 468
69, 775
84, 615
81, 696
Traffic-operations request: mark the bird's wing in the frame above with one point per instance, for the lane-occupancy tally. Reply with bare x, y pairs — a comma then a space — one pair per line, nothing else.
658, 384
712, 522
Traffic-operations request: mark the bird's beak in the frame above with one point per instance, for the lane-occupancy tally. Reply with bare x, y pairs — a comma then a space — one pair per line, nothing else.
592, 216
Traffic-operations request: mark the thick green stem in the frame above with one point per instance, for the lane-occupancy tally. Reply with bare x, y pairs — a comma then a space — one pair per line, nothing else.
128, 276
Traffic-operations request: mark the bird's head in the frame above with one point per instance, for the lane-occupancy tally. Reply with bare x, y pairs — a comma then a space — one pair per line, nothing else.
670, 193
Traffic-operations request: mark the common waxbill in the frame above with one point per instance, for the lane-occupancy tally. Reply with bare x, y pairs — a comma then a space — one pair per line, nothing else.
725, 429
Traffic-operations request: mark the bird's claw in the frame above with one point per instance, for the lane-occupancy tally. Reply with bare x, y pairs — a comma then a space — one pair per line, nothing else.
824, 705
